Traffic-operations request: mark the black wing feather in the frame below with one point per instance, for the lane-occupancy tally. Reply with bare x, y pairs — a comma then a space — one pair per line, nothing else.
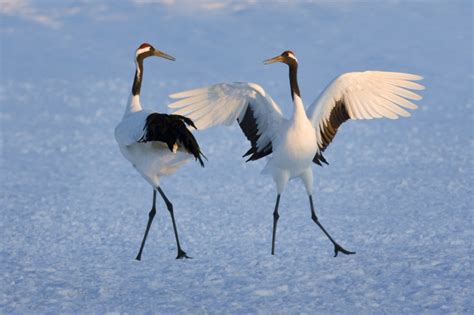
249, 126
171, 129
337, 117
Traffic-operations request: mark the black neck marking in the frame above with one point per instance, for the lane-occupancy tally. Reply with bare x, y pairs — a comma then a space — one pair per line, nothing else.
137, 81
295, 90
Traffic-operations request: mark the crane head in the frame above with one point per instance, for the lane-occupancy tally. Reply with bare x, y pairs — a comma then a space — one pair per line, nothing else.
146, 50
287, 57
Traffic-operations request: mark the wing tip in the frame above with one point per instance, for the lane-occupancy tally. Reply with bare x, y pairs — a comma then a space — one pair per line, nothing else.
174, 95
418, 77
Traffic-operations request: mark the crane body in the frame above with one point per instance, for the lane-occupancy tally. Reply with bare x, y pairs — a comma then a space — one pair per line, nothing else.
156, 144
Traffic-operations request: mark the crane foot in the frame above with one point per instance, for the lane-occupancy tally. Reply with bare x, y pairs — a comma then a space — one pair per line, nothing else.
338, 248
182, 254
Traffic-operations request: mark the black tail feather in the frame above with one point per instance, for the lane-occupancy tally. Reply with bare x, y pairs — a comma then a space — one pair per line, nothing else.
187, 120
171, 129
188, 140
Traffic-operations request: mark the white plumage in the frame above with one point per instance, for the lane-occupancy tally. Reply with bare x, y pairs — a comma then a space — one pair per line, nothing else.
296, 142
222, 104
151, 159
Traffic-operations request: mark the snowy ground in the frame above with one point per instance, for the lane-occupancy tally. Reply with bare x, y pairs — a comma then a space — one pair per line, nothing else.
73, 210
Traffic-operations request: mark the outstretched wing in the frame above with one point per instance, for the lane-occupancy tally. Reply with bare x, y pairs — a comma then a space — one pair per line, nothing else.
361, 95
258, 115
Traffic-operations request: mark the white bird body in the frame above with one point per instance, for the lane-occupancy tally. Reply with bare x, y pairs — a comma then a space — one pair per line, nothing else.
151, 159
297, 142
294, 150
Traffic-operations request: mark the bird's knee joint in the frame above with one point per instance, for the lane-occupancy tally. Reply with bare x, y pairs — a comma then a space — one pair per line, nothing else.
314, 217
169, 205
276, 216
152, 213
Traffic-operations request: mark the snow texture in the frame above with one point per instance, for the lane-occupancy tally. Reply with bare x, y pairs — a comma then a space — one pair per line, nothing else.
73, 211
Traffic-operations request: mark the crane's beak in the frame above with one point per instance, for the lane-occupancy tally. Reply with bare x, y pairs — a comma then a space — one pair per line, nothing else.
273, 60
161, 54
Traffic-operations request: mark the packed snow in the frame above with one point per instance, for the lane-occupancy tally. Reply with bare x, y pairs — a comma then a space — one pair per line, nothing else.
73, 210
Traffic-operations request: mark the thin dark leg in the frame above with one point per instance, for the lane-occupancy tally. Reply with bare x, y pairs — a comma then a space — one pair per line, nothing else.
169, 205
151, 215
276, 216
337, 247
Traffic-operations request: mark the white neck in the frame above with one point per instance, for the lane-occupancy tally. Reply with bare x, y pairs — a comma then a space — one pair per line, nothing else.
299, 108
133, 105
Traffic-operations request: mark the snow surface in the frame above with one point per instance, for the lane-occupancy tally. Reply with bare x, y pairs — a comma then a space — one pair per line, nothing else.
73, 211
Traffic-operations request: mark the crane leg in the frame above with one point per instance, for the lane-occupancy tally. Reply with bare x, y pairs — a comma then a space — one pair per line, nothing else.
337, 247
276, 216
151, 215
169, 205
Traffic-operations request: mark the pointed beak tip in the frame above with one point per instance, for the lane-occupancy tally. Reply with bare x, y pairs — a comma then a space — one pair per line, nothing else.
164, 55
272, 60
268, 61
